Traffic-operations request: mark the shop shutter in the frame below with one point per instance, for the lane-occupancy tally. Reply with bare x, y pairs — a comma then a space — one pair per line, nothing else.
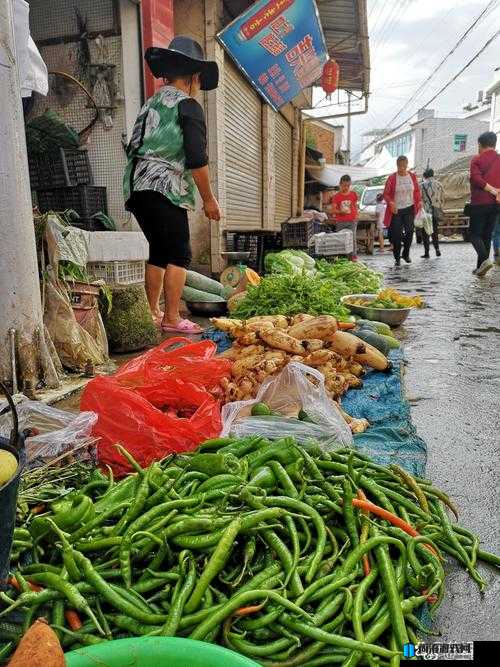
283, 170
243, 151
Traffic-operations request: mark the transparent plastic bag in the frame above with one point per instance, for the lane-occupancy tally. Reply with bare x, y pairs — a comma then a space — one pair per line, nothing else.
55, 432
286, 394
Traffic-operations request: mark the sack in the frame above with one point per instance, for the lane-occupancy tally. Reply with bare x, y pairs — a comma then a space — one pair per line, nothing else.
161, 402
286, 394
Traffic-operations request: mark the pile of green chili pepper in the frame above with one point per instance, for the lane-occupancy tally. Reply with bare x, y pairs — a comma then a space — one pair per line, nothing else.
284, 553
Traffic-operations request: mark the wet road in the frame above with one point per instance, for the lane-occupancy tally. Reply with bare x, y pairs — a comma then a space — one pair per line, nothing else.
453, 383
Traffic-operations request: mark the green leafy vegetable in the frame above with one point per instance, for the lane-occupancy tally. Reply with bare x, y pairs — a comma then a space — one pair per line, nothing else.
292, 294
357, 277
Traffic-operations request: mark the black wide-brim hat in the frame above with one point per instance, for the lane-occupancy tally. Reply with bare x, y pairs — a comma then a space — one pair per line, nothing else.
183, 57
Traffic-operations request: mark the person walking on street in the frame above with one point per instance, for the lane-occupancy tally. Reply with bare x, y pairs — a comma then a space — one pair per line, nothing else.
496, 238
403, 198
167, 162
484, 199
380, 210
432, 200
345, 211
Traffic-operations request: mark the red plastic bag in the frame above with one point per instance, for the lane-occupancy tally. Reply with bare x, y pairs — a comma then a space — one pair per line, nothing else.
176, 375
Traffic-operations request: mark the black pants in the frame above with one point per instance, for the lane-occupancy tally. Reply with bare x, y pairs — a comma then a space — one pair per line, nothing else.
435, 236
165, 226
401, 231
481, 225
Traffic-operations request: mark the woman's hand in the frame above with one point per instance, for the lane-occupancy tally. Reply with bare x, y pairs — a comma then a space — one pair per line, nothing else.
394, 208
211, 209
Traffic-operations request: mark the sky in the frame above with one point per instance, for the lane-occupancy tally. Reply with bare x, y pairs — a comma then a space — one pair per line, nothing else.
408, 39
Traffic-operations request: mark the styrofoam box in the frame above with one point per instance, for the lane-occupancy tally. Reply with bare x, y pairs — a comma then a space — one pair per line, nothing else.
112, 246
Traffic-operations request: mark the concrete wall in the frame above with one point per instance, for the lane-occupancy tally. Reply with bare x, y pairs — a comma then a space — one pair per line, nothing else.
434, 139
189, 19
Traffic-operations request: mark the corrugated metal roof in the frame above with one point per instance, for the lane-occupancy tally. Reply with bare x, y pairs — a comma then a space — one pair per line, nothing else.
345, 25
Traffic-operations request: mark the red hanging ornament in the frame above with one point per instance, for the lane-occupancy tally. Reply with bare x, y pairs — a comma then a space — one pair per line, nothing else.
330, 76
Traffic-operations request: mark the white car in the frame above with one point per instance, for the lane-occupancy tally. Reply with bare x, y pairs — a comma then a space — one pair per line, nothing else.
368, 201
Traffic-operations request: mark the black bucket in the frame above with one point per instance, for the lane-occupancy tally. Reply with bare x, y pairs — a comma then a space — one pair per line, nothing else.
8, 492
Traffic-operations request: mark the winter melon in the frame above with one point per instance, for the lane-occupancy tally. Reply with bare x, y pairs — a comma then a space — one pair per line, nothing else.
190, 295
374, 339
203, 283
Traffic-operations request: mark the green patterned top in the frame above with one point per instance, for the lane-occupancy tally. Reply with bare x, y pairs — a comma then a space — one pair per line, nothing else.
156, 152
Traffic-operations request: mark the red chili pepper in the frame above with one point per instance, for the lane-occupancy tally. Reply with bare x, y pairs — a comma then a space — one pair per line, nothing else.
72, 619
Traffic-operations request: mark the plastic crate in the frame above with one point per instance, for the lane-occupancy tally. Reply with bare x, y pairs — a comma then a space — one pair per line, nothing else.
117, 272
59, 169
333, 243
298, 234
256, 243
86, 200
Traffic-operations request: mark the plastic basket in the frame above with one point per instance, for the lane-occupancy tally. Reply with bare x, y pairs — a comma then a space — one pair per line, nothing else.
86, 200
59, 169
298, 234
333, 243
256, 243
118, 272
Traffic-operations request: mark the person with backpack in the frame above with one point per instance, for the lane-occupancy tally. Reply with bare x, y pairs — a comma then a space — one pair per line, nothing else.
432, 200
484, 201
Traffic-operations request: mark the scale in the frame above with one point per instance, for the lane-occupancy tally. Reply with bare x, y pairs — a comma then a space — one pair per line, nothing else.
234, 274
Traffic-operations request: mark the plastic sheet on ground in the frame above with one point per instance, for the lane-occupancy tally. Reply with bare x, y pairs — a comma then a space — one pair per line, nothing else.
391, 438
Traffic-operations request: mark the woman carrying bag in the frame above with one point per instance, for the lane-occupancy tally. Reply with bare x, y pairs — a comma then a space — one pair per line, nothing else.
403, 198
432, 199
167, 162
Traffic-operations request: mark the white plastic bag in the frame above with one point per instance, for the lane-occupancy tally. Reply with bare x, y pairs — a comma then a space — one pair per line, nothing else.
57, 431
423, 220
286, 394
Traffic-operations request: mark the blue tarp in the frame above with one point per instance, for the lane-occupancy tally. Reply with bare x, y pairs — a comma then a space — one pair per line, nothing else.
391, 438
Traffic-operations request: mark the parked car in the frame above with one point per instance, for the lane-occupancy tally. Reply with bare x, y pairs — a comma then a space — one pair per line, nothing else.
368, 200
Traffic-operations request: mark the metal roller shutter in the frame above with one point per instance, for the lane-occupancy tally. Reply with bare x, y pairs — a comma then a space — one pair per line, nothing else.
243, 151
283, 170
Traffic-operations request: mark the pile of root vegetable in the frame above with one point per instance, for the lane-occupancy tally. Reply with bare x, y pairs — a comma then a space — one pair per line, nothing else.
264, 345
284, 553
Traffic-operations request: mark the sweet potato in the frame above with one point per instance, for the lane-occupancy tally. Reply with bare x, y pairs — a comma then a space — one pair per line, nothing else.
278, 321
319, 327
226, 324
282, 341
38, 648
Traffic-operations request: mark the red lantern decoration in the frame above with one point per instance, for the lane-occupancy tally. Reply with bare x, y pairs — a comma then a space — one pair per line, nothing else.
330, 76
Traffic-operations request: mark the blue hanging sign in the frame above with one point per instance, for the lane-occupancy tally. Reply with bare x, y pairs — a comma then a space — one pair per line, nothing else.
279, 45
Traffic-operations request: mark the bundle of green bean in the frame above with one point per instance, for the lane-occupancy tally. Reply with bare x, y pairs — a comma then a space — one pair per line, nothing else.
284, 553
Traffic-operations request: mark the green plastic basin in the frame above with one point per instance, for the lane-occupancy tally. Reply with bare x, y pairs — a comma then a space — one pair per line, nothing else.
156, 652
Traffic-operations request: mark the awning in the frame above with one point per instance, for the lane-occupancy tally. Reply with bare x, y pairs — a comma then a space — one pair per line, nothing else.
345, 26
330, 175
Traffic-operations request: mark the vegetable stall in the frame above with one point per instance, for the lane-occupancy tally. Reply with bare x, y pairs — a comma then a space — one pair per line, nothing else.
260, 527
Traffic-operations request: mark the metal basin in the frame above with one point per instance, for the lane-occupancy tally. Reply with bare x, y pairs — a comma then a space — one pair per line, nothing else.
208, 309
391, 316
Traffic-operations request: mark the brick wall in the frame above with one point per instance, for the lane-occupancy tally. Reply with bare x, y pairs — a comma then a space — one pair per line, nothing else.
322, 140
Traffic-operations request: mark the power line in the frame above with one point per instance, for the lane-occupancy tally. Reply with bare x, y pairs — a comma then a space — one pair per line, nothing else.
441, 90
439, 66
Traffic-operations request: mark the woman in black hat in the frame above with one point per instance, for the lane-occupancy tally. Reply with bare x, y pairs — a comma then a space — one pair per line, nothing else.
167, 162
